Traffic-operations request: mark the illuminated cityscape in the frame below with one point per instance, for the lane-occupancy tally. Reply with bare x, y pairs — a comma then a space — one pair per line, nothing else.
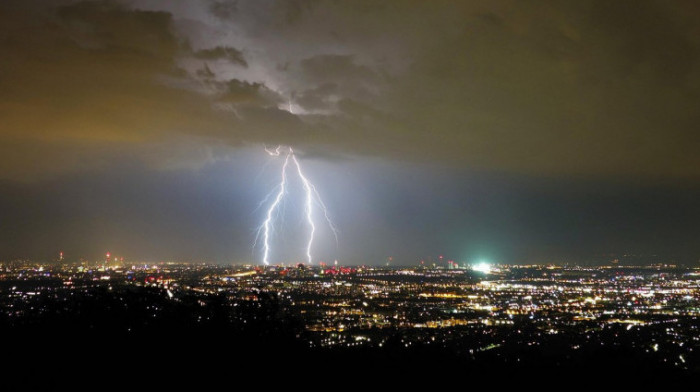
505, 316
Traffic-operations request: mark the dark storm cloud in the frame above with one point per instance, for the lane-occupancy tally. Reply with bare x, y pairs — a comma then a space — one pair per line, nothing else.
222, 52
586, 88
223, 9
239, 91
95, 76
601, 88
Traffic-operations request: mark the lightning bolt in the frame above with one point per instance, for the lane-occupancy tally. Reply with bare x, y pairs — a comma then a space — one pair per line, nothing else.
312, 198
273, 207
309, 205
275, 153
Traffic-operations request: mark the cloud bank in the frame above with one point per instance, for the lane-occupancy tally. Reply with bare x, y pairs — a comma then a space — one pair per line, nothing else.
569, 88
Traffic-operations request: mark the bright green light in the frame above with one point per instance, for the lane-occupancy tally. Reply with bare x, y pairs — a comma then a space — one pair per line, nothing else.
482, 267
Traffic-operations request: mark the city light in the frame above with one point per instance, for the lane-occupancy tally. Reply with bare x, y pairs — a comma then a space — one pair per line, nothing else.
482, 267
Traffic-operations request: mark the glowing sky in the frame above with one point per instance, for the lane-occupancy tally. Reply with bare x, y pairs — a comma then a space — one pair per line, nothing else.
513, 130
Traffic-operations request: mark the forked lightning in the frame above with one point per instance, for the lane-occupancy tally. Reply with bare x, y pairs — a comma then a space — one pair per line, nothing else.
312, 198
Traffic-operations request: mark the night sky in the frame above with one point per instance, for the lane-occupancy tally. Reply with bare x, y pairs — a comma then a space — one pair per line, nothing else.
503, 131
